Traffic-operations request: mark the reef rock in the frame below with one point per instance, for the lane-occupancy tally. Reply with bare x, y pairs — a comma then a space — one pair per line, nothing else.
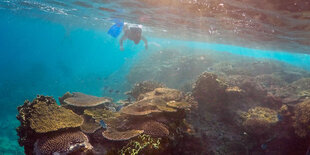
301, 118
259, 120
209, 90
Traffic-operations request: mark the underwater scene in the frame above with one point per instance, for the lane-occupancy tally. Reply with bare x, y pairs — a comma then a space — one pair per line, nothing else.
155, 77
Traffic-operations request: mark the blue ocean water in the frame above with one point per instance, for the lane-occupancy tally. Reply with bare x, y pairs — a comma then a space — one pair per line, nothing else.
40, 56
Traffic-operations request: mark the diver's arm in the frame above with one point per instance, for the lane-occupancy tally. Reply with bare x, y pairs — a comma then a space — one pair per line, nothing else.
121, 42
145, 41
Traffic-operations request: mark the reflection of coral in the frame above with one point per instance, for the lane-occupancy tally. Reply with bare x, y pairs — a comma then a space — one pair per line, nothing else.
143, 143
154, 128
301, 119
114, 135
259, 120
64, 143
144, 87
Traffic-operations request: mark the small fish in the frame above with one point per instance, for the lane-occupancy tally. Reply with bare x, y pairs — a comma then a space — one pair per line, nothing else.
119, 108
102, 124
105, 87
111, 91
264, 146
117, 91
280, 118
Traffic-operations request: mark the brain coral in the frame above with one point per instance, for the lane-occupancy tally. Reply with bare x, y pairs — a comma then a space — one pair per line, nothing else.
301, 118
62, 143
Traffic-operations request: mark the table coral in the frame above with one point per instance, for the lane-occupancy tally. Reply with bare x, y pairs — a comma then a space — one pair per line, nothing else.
115, 135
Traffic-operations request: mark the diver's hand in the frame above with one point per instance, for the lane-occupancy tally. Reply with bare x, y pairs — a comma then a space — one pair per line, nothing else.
122, 48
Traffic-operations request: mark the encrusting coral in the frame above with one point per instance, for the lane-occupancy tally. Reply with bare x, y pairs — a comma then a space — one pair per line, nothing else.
259, 120
301, 118
62, 143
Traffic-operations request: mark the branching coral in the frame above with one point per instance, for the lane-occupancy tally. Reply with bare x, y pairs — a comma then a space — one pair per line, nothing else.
143, 143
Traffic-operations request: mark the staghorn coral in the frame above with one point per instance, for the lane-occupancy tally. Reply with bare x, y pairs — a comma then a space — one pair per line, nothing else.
259, 120
114, 135
143, 144
144, 87
62, 143
301, 118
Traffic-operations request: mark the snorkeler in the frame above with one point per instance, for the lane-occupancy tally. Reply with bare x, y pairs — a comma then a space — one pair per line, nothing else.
133, 33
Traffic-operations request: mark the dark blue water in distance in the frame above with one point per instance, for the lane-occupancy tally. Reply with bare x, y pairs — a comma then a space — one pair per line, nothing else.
53, 47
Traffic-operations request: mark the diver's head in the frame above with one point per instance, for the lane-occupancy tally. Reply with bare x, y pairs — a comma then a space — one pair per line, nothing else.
135, 34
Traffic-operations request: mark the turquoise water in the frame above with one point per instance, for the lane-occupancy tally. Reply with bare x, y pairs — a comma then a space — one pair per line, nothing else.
48, 57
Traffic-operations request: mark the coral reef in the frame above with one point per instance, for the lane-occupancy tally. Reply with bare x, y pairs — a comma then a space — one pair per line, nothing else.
301, 118
62, 143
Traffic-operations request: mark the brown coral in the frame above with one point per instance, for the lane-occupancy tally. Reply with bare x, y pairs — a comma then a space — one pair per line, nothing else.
154, 128
115, 135
259, 120
165, 94
62, 143
209, 90
45, 118
89, 125
144, 87
83, 100
143, 107
179, 105
301, 118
